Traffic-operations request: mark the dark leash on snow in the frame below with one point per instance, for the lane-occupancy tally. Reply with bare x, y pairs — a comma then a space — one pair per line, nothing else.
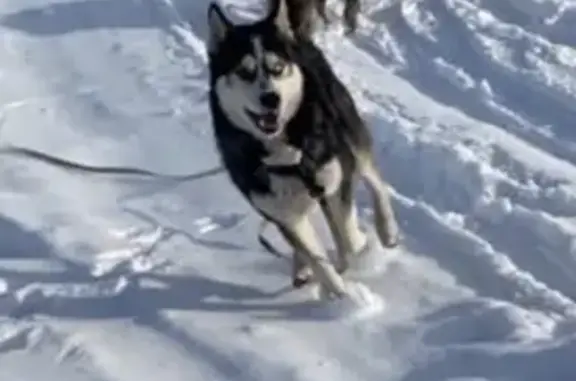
73, 167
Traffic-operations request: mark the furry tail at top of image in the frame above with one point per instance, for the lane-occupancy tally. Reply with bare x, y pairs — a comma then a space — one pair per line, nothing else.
303, 15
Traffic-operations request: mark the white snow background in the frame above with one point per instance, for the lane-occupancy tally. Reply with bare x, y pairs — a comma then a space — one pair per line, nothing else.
108, 278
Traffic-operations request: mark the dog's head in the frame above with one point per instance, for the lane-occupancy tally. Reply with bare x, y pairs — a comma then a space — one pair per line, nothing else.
256, 83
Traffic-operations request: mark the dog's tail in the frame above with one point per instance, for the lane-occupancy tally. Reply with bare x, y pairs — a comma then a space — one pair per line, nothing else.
303, 14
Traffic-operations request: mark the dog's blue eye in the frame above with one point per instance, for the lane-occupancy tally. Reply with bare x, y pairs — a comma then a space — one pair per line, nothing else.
277, 68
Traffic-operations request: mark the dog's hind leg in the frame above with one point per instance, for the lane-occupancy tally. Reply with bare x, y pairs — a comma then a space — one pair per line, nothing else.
384, 218
342, 219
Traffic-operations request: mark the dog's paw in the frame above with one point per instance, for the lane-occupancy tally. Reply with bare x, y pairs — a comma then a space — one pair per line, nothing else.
301, 277
373, 260
359, 302
299, 282
388, 233
391, 242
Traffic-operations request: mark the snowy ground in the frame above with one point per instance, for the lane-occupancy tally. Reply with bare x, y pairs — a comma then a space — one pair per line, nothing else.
472, 103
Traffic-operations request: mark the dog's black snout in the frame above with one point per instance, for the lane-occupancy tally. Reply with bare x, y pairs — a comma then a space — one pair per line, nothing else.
270, 100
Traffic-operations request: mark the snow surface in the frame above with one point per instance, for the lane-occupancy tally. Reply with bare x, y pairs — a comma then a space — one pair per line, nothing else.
473, 106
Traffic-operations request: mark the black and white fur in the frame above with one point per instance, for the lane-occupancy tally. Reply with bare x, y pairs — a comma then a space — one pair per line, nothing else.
291, 139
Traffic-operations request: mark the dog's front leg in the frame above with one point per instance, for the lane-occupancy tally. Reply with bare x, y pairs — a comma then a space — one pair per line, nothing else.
289, 207
303, 237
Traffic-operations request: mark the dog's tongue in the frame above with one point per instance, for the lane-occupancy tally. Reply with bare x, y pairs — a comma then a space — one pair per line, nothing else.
269, 118
268, 122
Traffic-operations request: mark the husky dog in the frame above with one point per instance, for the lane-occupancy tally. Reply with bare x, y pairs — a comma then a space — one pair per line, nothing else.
291, 139
303, 15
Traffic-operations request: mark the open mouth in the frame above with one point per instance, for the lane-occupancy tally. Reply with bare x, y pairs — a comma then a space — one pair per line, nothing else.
267, 122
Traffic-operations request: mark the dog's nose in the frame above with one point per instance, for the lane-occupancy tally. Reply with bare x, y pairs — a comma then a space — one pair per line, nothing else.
270, 100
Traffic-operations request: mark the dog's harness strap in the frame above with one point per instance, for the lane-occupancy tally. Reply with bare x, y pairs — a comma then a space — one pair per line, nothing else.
316, 191
284, 170
266, 243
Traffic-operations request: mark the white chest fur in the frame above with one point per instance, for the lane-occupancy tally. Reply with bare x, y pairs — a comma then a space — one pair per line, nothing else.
330, 176
289, 197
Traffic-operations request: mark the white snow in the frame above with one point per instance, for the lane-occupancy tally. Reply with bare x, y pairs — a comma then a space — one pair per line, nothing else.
472, 105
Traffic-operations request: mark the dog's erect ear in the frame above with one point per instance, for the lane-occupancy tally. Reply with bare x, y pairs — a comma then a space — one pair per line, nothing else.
279, 16
219, 26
